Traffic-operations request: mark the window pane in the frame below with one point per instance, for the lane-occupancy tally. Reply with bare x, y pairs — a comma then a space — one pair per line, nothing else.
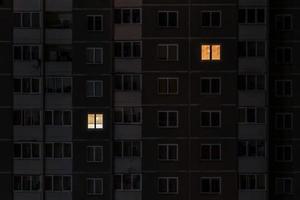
205, 121
162, 185
162, 152
26, 19
162, 19
216, 52
205, 52
172, 53
173, 185
216, 19
162, 119
91, 121
172, 152
172, 20
205, 19
215, 185
58, 150
162, 86
162, 52
99, 120
215, 119
136, 16
173, 86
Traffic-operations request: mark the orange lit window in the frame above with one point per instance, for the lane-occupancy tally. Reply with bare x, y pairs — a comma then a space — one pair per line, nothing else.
95, 121
210, 52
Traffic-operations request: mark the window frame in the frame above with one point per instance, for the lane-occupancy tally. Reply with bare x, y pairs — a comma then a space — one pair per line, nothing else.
245, 110
168, 83
284, 115
210, 118
247, 175
95, 121
94, 186
62, 183
93, 82
132, 43
284, 179
31, 20
131, 114
283, 146
210, 184
167, 178
94, 147
167, 46
167, 18
284, 82
167, 120
31, 183
63, 157
131, 179
210, 152
167, 146
210, 12
94, 50
94, 23
31, 151
130, 15
284, 24
210, 79
210, 60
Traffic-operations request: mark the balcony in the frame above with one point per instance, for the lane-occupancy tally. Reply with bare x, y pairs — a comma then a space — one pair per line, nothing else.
254, 64
59, 166
28, 5
29, 36
128, 98
128, 3
128, 131
254, 98
28, 132
58, 29
250, 195
127, 164
54, 133
252, 131
128, 31
59, 5
254, 32
27, 100
128, 65
30, 166
132, 195
253, 164
58, 60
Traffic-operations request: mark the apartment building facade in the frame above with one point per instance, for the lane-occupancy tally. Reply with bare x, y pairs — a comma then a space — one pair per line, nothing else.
152, 99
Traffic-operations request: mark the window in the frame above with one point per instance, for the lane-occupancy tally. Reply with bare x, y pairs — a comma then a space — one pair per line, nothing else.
95, 121
210, 85
168, 152
251, 148
58, 183
26, 150
284, 22
283, 153
127, 182
94, 186
252, 16
94, 154
251, 82
27, 20
59, 85
167, 52
128, 148
283, 121
210, 152
284, 185
95, 22
167, 85
128, 82
94, 88
128, 115
26, 117
210, 119
130, 49
94, 55
58, 53
168, 19
283, 55
211, 19
58, 150
28, 183
252, 182
27, 85
283, 88
127, 16
168, 119
210, 52
251, 48
58, 117
210, 185
58, 20
255, 115
26, 53
168, 185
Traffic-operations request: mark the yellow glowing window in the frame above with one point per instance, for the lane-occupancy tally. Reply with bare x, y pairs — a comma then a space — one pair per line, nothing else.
210, 52
95, 121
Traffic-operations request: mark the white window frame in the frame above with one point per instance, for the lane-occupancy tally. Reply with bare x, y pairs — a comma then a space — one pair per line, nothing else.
210, 184
95, 122
21, 85
256, 180
167, 46
167, 146
256, 76
31, 151
283, 146
281, 50
284, 16
256, 148
131, 15
22, 186
30, 15
62, 153
168, 123
210, 12
93, 83
210, 119
131, 109
284, 115
94, 50
94, 186
131, 81
256, 16
63, 80
210, 151
210, 85
256, 48
211, 52
94, 23
62, 178
22, 111
94, 147
283, 182
131, 177
62, 118
167, 12
168, 186
284, 82
30, 52
131, 147
168, 82
122, 56
256, 115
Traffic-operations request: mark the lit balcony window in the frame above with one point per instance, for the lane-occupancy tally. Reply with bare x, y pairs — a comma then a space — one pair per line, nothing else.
95, 121
210, 52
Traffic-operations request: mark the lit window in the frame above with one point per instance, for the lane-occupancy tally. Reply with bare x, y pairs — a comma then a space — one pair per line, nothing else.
210, 52
95, 121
